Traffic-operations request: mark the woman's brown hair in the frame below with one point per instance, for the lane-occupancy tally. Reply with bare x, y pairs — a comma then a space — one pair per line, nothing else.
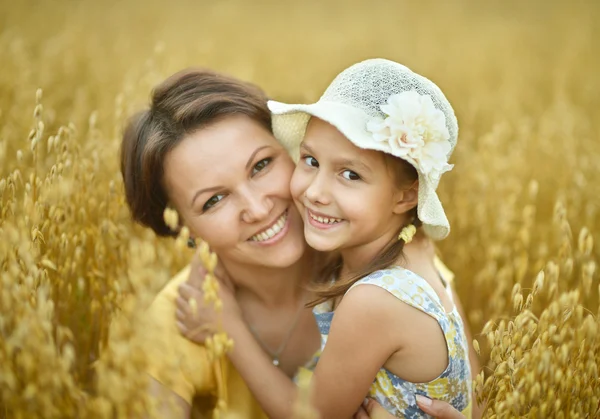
184, 103
403, 173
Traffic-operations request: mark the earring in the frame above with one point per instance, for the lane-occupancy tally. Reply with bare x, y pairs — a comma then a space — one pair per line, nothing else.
191, 243
408, 233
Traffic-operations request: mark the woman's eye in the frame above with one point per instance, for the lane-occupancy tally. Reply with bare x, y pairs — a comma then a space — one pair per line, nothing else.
311, 161
261, 165
212, 202
350, 175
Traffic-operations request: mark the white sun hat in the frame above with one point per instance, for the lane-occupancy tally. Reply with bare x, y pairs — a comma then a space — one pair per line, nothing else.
382, 105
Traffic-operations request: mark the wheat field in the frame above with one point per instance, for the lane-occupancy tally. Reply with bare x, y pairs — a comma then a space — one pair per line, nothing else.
523, 199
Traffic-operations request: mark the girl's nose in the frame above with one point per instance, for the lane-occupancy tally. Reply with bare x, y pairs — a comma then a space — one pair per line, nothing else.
317, 191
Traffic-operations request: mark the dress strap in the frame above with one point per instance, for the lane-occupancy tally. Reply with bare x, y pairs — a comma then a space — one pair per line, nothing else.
408, 287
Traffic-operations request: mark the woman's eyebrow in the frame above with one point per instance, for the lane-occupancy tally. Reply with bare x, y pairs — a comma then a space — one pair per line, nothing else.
254, 154
201, 191
216, 188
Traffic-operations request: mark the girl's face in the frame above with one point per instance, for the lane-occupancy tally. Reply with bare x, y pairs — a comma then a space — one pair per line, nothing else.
229, 183
347, 196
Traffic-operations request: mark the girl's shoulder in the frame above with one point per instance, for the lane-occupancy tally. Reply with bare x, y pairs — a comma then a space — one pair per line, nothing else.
389, 277
406, 286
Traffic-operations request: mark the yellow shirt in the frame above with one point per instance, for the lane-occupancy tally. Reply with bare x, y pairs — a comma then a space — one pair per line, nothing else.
184, 366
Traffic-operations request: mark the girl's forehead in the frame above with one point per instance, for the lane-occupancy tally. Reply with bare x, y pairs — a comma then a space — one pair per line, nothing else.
322, 136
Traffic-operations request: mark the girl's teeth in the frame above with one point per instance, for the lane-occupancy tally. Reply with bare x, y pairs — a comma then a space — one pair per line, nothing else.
325, 220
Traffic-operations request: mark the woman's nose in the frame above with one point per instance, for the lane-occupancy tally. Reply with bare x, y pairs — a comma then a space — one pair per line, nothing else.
257, 206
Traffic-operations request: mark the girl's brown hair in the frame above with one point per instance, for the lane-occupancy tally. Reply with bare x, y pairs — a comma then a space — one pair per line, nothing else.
187, 101
403, 173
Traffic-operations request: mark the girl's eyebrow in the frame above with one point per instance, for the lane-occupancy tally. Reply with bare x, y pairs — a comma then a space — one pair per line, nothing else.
354, 164
342, 161
307, 148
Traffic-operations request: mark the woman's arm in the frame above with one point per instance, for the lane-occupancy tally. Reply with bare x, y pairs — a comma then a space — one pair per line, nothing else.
436, 408
274, 390
170, 405
473, 357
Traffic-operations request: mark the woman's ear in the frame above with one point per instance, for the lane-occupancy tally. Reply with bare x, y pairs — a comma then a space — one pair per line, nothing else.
406, 199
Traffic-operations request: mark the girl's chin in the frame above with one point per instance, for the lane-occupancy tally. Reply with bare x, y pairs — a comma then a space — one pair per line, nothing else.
320, 244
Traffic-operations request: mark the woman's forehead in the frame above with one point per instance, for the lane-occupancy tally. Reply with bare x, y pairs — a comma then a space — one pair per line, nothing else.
216, 152
229, 137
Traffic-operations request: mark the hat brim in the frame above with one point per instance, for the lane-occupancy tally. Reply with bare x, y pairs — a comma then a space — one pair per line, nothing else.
289, 126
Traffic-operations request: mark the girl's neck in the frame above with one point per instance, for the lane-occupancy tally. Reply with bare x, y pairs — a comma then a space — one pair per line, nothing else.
271, 286
357, 258
421, 249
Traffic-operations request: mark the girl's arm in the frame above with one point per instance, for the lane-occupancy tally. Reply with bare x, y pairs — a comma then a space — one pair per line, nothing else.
363, 335
359, 344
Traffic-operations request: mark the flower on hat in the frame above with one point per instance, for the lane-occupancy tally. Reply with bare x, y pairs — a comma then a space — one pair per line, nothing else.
414, 128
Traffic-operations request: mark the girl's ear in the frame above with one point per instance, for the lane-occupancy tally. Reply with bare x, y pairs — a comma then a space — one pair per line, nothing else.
406, 199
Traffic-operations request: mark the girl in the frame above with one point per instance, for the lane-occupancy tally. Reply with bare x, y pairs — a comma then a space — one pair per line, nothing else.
371, 153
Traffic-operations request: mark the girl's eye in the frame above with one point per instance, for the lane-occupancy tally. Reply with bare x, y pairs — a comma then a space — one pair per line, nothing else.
261, 165
212, 202
350, 175
311, 161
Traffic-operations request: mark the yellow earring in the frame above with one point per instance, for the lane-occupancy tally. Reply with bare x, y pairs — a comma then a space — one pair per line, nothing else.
408, 233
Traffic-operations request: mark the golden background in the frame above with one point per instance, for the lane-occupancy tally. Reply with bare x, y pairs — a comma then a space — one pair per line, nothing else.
524, 197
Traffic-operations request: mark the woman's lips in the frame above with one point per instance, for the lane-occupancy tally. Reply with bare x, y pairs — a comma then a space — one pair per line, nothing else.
279, 228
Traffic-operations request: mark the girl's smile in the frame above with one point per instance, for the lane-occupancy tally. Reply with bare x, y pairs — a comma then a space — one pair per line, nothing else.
322, 221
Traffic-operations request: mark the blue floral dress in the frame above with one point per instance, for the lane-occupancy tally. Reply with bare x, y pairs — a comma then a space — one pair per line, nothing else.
394, 393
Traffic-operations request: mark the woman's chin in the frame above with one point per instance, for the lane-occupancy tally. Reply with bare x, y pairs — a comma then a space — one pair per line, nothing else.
284, 258
283, 254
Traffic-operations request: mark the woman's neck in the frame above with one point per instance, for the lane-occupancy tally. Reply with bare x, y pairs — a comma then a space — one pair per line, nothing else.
271, 287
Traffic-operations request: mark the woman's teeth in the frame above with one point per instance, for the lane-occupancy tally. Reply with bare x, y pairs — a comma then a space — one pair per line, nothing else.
271, 231
324, 220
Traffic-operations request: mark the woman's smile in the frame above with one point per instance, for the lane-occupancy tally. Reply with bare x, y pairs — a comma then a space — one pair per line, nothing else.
274, 232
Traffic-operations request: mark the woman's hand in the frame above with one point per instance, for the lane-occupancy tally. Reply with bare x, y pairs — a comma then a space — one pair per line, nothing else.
196, 319
436, 408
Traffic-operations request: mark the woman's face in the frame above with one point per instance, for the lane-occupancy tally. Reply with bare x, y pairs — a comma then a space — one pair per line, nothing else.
230, 184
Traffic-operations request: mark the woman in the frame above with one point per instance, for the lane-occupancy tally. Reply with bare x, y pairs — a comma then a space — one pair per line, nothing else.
205, 147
